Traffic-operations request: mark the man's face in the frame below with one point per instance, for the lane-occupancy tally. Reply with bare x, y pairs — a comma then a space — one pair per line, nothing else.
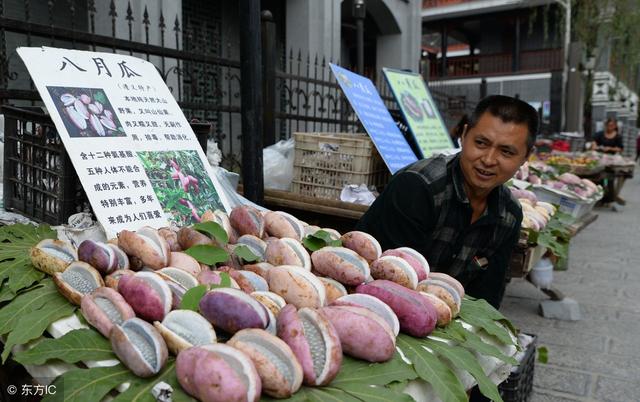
492, 152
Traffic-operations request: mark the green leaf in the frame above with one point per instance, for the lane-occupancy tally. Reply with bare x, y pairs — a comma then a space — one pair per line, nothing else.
323, 235
213, 230
36, 322
320, 239
74, 346
191, 298
207, 254
140, 388
5, 292
25, 303
474, 343
358, 371
313, 243
369, 393
88, 384
16, 242
245, 253
299, 396
329, 394
225, 281
397, 386
429, 368
481, 314
463, 359
543, 354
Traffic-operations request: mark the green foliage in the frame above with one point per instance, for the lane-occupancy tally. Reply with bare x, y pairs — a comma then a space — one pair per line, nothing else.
358, 371
88, 384
464, 360
245, 253
32, 325
191, 298
213, 230
319, 239
432, 370
16, 270
555, 236
543, 354
208, 254
75, 346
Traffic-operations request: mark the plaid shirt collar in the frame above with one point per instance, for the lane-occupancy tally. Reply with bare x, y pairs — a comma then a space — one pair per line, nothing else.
496, 202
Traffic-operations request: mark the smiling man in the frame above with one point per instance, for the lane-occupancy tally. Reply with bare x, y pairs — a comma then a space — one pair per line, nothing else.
454, 209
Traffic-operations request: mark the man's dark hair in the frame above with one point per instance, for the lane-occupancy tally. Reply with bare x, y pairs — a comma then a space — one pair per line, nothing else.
509, 110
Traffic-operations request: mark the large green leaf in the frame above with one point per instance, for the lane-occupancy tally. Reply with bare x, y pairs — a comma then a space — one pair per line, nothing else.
464, 360
34, 324
15, 263
358, 371
83, 385
75, 346
429, 368
375, 393
140, 388
481, 314
328, 394
208, 254
474, 343
25, 303
5, 292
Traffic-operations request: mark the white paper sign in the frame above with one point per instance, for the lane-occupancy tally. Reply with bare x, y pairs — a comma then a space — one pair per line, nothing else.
135, 152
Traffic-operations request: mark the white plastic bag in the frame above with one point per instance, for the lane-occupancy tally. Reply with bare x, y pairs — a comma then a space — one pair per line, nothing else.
277, 162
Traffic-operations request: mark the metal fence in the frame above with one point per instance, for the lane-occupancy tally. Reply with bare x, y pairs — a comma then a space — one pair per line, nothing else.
200, 66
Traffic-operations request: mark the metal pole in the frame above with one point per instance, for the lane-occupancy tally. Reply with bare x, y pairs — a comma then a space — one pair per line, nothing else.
251, 100
269, 60
444, 43
360, 12
565, 65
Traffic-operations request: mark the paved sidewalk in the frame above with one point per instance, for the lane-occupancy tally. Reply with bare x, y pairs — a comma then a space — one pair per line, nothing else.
597, 358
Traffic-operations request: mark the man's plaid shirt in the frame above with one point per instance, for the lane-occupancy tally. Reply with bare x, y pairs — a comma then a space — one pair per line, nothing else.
425, 207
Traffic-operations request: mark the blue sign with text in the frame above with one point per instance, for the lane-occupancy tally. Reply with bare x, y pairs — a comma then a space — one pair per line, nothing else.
375, 118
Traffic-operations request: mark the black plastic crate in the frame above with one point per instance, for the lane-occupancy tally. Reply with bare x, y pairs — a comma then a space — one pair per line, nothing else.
39, 179
517, 388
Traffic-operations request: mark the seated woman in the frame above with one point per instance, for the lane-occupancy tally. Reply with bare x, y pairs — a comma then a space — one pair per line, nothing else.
610, 140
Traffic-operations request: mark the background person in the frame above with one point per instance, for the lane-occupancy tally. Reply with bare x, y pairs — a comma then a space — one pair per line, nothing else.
610, 139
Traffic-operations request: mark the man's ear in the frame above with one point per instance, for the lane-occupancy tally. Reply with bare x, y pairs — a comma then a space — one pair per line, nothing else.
464, 131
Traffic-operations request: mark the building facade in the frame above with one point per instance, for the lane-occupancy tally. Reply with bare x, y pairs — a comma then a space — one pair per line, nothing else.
472, 48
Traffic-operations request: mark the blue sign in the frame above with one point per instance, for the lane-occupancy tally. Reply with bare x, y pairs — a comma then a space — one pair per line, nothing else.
375, 118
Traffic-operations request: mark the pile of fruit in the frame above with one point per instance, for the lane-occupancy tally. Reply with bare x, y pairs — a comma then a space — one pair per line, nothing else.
536, 214
569, 159
289, 299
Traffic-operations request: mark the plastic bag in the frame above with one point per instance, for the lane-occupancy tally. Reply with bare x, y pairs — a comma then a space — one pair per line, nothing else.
277, 162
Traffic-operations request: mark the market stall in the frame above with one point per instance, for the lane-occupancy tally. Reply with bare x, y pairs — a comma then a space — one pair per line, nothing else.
184, 290
67, 335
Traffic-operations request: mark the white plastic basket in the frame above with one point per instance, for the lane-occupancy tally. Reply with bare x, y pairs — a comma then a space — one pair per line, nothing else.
570, 205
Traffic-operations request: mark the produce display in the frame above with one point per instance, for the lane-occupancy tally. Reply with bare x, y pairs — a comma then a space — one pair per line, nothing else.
249, 305
541, 174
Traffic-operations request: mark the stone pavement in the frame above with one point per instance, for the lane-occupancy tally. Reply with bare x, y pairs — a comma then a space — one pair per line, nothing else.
598, 357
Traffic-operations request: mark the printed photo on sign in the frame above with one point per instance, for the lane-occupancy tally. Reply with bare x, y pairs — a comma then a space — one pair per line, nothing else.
181, 183
86, 112
411, 105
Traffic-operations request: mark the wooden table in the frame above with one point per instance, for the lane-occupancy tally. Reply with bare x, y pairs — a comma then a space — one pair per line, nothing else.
334, 214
